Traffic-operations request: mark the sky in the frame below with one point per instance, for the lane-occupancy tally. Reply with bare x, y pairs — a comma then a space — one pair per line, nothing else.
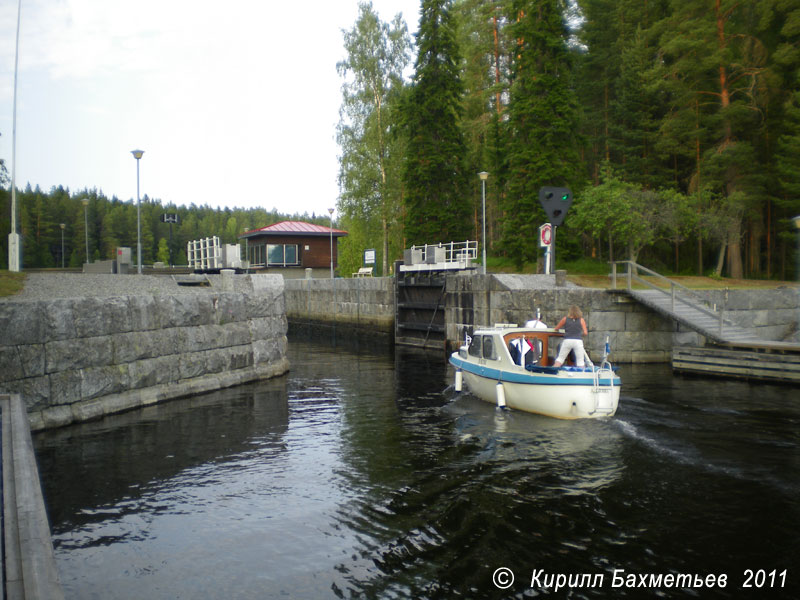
234, 103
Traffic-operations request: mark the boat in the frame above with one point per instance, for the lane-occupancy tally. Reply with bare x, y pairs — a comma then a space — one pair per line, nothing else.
512, 367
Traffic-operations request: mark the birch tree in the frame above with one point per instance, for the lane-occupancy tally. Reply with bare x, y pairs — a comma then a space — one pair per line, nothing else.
377, 54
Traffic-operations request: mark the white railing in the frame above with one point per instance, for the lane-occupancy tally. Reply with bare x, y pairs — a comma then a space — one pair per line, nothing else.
451, 252
205, 253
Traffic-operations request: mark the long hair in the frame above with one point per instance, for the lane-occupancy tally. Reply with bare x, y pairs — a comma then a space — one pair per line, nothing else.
574, 312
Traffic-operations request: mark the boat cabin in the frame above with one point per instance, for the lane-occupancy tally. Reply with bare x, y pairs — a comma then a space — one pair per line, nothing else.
530, 347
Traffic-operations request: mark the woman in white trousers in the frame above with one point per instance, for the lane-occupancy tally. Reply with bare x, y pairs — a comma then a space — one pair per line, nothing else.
574, 329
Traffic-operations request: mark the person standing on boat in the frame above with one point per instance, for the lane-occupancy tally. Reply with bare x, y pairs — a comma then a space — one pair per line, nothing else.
574, 329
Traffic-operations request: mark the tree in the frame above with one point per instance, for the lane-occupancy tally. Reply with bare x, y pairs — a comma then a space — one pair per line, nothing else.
619, 211
163, 251
369, 172
434, 175
542, 123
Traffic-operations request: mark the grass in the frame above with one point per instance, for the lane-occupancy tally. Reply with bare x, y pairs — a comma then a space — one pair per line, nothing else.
11, 283
589, 273
690, 281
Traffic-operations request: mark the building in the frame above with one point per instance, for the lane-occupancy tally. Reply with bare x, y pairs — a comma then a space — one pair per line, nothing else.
292, 247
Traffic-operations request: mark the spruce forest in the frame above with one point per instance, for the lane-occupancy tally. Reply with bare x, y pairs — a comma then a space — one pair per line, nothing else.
675, 123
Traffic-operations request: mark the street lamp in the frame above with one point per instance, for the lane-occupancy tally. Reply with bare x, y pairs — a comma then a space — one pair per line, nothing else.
484, 175
137, 154
797, 226
62, 244
330, 212
86, 226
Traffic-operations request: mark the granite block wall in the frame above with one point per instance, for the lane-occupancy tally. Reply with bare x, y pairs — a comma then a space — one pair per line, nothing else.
362, 303
79, 358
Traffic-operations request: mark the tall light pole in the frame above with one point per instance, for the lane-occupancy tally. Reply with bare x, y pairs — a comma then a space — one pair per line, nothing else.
137, 154
484, 175
63, 225
86, 226
330, 212
797, 225
14, 240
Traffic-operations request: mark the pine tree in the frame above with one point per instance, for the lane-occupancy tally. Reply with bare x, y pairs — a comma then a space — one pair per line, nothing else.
542, 124
436, 205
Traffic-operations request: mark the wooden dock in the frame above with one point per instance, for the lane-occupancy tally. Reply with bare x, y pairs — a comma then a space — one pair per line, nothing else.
763, 361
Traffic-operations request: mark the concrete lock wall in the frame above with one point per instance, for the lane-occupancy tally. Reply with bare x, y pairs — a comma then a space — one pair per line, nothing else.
74, 359
365, 304
636, 333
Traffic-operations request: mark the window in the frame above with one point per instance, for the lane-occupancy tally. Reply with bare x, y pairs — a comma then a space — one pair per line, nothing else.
282, 254
488, 347
256, 255
475, 346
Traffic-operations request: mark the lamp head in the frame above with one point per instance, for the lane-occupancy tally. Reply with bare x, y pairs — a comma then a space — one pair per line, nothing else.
137, 154
484, 175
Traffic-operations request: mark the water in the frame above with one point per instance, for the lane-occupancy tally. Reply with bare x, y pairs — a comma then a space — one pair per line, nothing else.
363, 475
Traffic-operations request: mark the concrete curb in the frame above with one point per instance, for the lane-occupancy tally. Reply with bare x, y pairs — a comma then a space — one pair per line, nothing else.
30, 569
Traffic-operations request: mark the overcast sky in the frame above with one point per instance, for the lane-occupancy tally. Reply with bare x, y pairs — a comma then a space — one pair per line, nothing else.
235, 103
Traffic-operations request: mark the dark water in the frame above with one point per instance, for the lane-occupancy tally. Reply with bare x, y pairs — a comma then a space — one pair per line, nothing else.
361, 474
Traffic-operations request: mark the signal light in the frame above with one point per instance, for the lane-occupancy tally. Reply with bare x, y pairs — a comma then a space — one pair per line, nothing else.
556, 202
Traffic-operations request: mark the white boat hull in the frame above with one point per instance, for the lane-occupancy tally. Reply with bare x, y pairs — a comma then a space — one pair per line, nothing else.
564, 395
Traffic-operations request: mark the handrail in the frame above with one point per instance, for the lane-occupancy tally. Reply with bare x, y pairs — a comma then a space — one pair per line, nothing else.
633, 273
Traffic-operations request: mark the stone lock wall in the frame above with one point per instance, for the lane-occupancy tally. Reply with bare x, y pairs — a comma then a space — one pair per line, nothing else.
636, 333
74, 359
365, 304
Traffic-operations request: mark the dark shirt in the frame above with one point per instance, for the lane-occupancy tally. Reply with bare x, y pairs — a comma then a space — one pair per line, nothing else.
573, 330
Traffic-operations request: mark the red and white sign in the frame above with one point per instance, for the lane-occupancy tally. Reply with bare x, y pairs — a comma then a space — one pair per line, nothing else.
545, 235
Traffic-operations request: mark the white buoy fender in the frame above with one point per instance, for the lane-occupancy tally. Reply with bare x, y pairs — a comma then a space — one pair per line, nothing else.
459, 379
501, 395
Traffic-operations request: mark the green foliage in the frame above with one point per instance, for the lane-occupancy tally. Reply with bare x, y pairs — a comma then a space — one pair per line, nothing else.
434, 175
542, 123
112, 223
163, 251
370, 163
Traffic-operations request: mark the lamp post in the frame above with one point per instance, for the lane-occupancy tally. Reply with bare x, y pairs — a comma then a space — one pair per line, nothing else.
797, 226
86, 226
63, 225
484, 175
330, 212
14, 238
137, 154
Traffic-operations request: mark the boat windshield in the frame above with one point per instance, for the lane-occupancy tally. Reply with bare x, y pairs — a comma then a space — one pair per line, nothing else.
475, 346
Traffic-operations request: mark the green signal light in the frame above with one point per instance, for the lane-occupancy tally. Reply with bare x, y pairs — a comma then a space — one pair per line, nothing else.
565, 197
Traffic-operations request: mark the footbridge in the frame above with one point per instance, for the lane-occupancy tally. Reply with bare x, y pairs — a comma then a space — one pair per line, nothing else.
732, 350
679, 303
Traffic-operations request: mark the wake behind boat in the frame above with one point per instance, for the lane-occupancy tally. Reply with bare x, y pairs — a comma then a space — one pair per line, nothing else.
512, 366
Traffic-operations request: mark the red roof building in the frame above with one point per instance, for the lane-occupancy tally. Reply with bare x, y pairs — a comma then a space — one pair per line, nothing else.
292, 247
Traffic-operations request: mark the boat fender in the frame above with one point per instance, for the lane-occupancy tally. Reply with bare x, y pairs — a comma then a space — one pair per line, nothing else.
501, 395
459, 379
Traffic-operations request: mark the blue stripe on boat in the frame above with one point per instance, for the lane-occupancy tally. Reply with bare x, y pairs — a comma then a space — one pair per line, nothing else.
525, 378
